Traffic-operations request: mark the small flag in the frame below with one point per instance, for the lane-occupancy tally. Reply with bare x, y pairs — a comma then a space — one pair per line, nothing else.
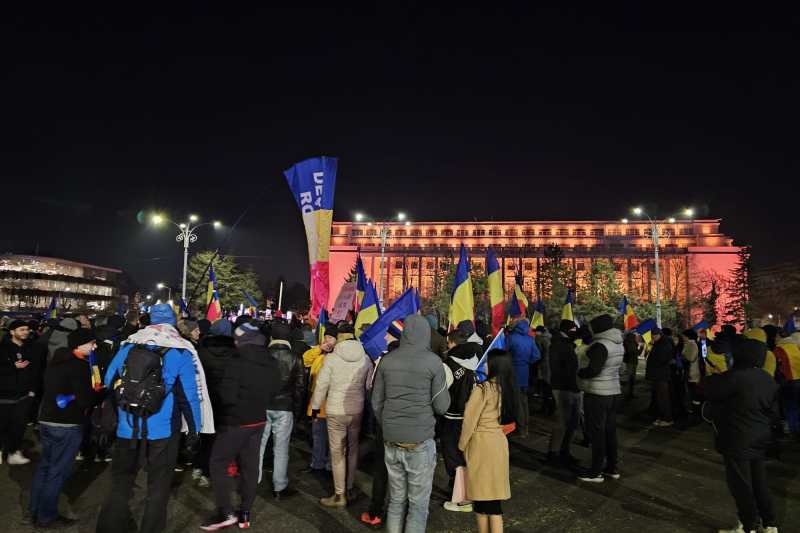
374, 339
566, 311
51, 312
361, 283
369, 310
462, 304
703, 325
495, 284
97, 381
321, 323
629, 320
645, 329
498, 343
790, 326
538, 314
213, 307
252, 301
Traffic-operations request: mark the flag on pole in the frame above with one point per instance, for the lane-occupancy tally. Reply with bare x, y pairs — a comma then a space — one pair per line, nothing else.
629, 320
566, 311
97, 381
645, 329
703, 326
370, 310
519, 302
498, 343
495, 283
538, 314
361, 283
213, 307
51, 312
462, 304
321, 323
374, 339
312, 183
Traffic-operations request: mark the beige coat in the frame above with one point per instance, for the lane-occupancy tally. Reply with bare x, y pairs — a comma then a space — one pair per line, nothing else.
485, 446
341, 384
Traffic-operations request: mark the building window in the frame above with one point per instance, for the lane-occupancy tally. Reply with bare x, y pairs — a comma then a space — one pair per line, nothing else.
400, 233
616, 245
579, 233
494, 233
478, 232
616, 233
357, 233
416, 233
617, 267
631, 232
462, 233
369, 244
598, 232
544, 233
687, 231
580, 267
398, 264
511, 233
669, 232
429, 265
529, 233
431, 233
580, 248
562, 232
528, 266
447, 233
334, 231
413, 264
648, 232
444, 266
372, 233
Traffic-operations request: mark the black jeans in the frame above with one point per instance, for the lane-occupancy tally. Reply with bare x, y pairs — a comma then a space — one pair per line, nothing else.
241, 446
380, 477
600, 413
524, 412
13, 419
158, 458
747, 481
663, 400
453, 457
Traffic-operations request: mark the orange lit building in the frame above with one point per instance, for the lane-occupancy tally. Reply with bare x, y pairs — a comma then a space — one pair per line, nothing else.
693, 252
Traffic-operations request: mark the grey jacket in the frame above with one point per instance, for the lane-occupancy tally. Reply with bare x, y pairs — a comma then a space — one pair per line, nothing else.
410, 387
605, 354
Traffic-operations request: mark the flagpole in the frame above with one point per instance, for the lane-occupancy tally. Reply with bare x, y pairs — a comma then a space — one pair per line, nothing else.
280, 296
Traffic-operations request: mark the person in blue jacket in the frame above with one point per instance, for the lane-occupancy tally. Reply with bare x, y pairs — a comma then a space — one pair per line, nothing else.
524, 353
157, 450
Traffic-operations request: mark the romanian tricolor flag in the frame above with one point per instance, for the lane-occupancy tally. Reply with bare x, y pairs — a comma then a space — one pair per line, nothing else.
519, 302
361, 283
97, 380
788, 356
566, 311
629, 320
369, 310
312, 183
213, 307
462, 303
645, 329
321, 323
538, 314
51, 312
495, 283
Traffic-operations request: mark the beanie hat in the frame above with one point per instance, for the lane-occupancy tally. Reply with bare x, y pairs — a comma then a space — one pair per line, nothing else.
204, 325
466, 328
728, 331
748, 353
281, 332
601, 323
331, 331
756, 334
690, 334
221, 327
162, 314
68, 324
249, 334
566, 325
79, 337
16, 324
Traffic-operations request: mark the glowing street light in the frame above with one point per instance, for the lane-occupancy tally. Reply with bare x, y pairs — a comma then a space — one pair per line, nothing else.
401, 217
671, 220
688, 212
162, 286
157, 219
624, 220
637, 211
359, 217
193, 218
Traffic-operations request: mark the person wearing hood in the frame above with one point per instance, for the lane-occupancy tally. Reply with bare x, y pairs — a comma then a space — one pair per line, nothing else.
409, 391
568, 397
20, 383
601, 393
313, 360
249, 382
657, 372
744, 405
460, 365
68, 378
58, 338
438, 342
524, 353
787, 354
341, 386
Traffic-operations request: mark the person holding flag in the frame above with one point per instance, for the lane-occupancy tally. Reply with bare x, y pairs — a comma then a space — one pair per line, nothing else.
213, 307
313, 360
629, 320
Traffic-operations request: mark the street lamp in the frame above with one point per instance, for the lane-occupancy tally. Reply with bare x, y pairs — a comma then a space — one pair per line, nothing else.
654, 233
187, 236
162, 286
401, 217
688, 212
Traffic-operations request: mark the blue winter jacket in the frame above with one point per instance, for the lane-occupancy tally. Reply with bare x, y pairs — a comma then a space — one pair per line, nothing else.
524, 351
182, 397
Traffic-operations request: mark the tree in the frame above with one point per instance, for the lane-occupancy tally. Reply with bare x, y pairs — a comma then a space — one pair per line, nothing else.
708, 303
554, 272
738, 290
669, 313
600, 294
231, 281
443, 288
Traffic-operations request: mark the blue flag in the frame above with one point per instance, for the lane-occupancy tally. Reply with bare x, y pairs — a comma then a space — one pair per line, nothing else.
703, 324
790, 327
250, 299
499, 343
646, 326
374, 339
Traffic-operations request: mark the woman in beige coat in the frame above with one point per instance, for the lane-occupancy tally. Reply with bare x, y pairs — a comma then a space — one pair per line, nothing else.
491, 405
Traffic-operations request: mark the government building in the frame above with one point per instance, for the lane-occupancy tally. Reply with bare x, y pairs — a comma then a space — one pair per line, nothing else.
693, 253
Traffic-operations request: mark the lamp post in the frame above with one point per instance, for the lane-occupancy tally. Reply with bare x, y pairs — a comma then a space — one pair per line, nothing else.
401, 217
162, 286
186, 235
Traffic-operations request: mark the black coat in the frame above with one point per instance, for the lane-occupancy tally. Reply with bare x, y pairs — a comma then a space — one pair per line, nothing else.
563, 363
660, 359
249, 382
215, 352
292, 379
67, 374
16, 383
743, 406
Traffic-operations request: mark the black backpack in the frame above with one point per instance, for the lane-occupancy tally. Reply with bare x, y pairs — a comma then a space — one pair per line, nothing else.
141, 390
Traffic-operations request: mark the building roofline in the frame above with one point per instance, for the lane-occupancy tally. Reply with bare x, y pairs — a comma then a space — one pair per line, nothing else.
632, 221
60, 260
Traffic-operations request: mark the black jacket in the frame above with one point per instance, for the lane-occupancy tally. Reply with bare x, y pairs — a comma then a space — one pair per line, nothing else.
249, 382
67, 374
292, 379
632, 349
464, 379
743, 407
16, 383
216, 353
563, 363
659, 360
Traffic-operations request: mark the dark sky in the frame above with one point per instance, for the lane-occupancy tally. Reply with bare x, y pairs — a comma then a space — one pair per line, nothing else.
506, 112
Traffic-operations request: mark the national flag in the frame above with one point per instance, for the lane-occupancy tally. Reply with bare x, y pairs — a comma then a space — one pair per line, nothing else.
213, 307
790, 326
184, 309
787, 354
312, 183
498, 343
462, 304
396, 327
51, 312
374, 339
361, 283
495, 282
321, 323
629, 320
250, 300
370, 310
97, 381
519, 302
703, 325
566, 311
538, 314
645, 329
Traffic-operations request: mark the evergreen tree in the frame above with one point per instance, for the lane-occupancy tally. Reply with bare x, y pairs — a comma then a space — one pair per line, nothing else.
738, 290
231, 281
443, 288
601, 292
555, 272
709, 304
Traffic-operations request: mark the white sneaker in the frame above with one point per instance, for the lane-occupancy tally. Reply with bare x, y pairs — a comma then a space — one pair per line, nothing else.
196, 473
17, 458
79, 457
203, 482
463, 507
771, 529
738, 529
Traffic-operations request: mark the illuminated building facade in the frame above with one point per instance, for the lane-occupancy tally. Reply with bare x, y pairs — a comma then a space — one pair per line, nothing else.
28, 284
693, 253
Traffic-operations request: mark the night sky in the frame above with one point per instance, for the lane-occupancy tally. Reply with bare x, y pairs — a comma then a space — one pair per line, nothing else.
446, 114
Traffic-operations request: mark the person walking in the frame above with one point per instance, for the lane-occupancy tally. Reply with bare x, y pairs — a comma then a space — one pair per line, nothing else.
524, 353
341, 387
744, 406
410, 390
250, 380
658, 371
491, 405
20, 383
568, 397
313, 360
283, 408
601, 392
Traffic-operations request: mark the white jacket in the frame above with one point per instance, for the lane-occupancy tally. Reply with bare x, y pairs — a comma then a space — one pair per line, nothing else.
341, 384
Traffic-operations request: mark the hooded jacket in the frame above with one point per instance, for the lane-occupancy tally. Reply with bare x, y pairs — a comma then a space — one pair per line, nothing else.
524, 351
659, 360
67, 374
58, 338
341, 384
16, 383
462, 361
215, 353
292, 380
410, 387
601, 376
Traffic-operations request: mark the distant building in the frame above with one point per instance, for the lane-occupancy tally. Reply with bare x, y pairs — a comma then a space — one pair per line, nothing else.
693, 253
28, 284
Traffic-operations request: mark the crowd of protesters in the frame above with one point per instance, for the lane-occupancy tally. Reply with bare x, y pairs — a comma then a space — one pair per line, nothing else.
154, 392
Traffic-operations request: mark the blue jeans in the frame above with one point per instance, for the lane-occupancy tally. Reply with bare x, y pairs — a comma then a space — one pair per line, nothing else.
280, 424
320, 452
59, 447
410, 480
